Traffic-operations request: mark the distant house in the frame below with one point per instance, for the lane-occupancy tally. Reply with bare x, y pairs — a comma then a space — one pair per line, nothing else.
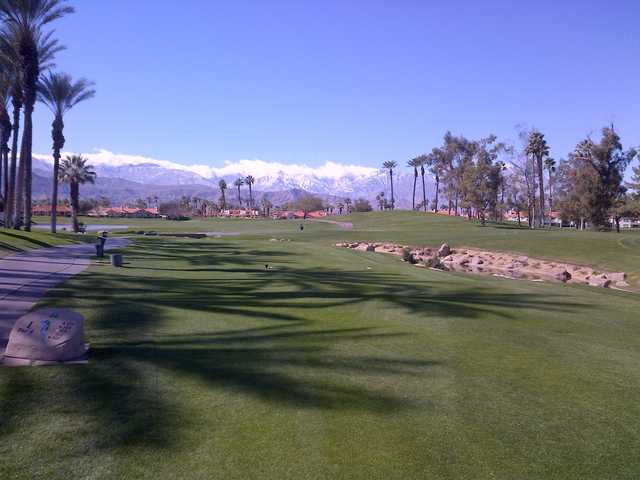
554, 219
239, 213
317, 214
124, 212
512, 216
297, 214
627, 222
45, 210
97, 212
288, 215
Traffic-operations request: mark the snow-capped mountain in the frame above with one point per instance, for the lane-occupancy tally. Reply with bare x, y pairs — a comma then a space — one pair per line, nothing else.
330, 179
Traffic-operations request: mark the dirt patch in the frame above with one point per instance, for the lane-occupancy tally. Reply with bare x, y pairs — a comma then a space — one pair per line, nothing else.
485, 262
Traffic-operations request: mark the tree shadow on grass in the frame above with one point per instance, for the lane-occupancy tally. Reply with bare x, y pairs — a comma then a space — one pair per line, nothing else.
124, 394
10, 248
26, 238
123, 399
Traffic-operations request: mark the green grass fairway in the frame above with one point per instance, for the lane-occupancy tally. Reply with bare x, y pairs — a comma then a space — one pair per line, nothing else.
335, 363
15, 241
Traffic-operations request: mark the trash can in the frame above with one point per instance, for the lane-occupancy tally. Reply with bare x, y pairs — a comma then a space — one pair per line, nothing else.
116, 259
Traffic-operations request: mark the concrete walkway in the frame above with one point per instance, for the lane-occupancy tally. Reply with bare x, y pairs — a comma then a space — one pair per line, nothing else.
342, 225
26, 277
92, 227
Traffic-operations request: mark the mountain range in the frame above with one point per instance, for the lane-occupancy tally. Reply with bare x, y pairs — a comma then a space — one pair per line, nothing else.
125, 178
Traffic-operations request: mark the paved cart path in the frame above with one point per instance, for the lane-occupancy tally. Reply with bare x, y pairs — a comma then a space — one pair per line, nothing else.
342, 225
25, 277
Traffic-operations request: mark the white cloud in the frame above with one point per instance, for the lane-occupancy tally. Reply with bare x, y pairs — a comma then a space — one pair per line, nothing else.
257, 168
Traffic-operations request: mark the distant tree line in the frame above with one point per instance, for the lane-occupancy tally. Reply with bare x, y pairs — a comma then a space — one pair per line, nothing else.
484, 178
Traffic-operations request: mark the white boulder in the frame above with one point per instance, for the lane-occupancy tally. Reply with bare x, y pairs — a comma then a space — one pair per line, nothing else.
47, 335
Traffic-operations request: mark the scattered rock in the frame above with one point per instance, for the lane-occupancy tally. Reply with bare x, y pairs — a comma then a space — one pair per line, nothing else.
407, 256
444, 250
561, 275
491, 263
599, 281
476, 261
433, 262
616, 276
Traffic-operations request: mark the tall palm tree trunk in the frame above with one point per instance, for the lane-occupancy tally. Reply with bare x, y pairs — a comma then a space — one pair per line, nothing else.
54, 192
415, 179
57, 128
13, 181
250, 198
75, 194
541, 189
25, 156
550, 191
5, 179
424, 191
19, 200
393, 199
239, 199
4, 157
435, 208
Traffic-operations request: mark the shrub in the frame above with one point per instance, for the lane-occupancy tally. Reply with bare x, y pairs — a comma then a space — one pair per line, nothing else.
362, 205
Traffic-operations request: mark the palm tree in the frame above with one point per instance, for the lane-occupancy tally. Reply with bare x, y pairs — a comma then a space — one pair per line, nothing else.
249, 180
537, 147
24, 20
414, 163
238, 183
550, 165
11, 68
423, 161
222, 185
390, 165
75, 171
5, 134
60, 93
435, 161
266, 206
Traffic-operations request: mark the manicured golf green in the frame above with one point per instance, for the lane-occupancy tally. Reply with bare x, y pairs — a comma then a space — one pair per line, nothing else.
334, 363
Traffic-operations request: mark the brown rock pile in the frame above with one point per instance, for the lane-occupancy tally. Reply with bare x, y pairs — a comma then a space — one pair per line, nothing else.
495, 263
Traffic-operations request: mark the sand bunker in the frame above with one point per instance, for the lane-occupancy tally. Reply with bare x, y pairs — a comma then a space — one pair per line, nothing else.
495, 263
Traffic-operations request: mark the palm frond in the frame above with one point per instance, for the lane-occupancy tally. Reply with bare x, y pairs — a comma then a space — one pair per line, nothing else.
74, 169
27, 13
60, 93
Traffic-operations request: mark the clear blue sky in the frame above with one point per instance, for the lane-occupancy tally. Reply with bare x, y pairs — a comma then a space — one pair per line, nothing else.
202, 81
